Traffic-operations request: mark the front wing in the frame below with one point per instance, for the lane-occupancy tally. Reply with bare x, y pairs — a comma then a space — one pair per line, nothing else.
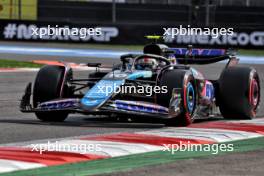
73, 105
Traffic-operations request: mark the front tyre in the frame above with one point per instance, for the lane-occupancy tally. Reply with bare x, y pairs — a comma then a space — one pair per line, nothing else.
239, 93
49, 85
183, 80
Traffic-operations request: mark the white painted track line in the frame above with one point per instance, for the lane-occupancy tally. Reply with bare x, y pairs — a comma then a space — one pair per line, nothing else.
10, 165
217, 135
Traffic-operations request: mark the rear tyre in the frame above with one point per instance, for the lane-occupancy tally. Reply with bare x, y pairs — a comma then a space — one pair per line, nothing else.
48, 86
239, 93
183, 80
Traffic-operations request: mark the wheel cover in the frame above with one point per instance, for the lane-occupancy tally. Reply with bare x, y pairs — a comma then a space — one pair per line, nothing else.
254, 93
190, 98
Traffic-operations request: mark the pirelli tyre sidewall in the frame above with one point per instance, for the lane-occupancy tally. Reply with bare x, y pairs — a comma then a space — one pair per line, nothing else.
184, 81
239, 93
50, 83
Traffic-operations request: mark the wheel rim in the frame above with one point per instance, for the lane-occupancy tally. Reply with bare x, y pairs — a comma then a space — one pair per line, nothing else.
254, 93
190, 98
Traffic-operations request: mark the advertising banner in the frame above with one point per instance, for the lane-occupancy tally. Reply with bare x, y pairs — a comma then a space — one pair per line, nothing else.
123, 34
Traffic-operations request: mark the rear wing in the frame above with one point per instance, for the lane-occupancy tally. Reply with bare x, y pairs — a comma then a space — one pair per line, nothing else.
202, 56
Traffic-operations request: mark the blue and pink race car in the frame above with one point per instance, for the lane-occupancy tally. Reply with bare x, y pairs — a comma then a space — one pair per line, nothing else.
160, 83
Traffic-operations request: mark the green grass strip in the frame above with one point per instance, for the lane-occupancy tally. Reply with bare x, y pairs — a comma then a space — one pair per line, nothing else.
126, 163
4, 63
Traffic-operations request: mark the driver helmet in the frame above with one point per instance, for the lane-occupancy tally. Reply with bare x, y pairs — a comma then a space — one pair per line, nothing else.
147, 63
172, 59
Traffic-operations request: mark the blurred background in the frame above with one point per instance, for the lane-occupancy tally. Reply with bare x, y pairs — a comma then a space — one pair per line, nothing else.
239, 13
128, 21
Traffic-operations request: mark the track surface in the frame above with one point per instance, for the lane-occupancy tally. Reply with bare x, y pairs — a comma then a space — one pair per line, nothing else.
247, 163
16, 127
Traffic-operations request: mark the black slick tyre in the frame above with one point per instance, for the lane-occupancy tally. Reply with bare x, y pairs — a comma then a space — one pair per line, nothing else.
49, 85
239, 93
184, 81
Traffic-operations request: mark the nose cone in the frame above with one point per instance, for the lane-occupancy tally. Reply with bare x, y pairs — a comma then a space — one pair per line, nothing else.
90, 103
99, 94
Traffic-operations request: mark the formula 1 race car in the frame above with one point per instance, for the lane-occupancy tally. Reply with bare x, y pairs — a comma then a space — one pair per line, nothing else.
160, 83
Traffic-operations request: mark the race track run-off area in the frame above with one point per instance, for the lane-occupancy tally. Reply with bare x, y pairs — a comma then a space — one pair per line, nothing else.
126, 150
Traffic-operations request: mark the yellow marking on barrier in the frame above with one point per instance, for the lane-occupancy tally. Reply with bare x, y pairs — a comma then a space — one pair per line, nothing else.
18, 9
